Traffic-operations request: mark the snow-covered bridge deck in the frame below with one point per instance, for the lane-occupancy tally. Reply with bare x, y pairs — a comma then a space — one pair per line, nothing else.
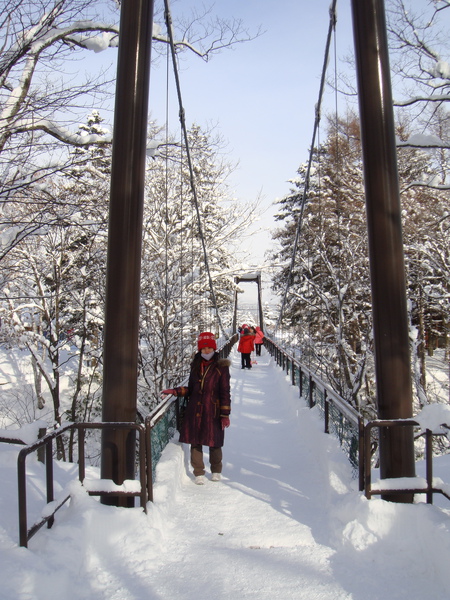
261, 532
285, 523
287, 520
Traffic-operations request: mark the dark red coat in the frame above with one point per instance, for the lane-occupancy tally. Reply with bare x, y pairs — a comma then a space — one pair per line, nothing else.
209, 400
246, 344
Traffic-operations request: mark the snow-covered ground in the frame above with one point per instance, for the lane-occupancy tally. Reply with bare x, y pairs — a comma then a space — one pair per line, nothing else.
438, 375
286, 522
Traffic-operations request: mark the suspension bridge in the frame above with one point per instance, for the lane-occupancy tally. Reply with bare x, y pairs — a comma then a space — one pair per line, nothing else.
391, 333
285, 522
269, 470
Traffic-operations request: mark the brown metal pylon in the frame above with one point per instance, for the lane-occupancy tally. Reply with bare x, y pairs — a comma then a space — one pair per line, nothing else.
391, 336
256, 278
120, 348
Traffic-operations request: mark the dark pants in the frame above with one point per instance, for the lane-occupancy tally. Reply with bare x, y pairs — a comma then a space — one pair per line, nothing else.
245, 360
258, 349
215, 459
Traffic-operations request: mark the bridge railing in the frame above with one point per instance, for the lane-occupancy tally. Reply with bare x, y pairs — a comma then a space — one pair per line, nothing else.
94, 488
159, 428
428, 485
356, 436
340, 419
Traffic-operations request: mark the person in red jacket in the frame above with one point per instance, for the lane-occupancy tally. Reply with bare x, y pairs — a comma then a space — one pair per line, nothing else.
245, 347
208, 410
259, 340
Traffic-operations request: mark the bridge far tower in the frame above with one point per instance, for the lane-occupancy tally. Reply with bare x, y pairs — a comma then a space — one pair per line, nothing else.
249, 277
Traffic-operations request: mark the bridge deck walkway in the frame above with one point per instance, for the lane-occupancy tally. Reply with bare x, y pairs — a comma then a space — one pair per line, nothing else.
285, 523
264, 531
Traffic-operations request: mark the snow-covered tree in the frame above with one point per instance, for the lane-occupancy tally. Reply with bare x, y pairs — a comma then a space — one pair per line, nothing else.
420, 61
329, 300
42, 92
41, 95
329, 295
176, 298
54, 191
420, 52
426, 235
55, 282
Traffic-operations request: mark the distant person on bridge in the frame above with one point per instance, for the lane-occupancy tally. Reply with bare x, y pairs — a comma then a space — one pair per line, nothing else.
245, 347
259, 340
208, 410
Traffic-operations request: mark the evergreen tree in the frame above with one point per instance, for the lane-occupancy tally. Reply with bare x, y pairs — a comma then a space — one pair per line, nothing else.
329, 300
329, 303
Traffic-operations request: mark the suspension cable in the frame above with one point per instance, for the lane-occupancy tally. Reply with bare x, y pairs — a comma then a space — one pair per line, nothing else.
339, 218
331, 27
168, 19
166, 225
182, 250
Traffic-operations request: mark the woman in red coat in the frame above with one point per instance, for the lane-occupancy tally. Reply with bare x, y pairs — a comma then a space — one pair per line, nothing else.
259, 340
245, 347
208, 411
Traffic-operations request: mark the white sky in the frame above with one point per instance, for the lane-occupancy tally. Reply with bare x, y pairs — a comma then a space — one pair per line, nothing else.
260, 97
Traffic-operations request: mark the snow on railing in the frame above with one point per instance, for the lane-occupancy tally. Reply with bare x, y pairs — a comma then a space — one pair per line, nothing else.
99, 487
430, 424
27, 434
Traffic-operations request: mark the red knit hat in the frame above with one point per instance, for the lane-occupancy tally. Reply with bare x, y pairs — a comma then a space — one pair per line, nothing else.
206, 340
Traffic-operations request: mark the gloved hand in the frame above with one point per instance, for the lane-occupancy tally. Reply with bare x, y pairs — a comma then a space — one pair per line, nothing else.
225, 422
169, 392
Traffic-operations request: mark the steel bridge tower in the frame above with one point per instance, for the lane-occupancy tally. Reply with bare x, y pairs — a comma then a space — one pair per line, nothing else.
249, 277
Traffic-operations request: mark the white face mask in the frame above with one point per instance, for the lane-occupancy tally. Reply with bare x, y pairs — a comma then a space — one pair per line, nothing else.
208, 356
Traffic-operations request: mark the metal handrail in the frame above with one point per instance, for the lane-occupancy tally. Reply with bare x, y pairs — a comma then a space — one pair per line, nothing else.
46, 443
26, 534
344, 406
8, 440
225, 350
151, 421
330, 397
430, 489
